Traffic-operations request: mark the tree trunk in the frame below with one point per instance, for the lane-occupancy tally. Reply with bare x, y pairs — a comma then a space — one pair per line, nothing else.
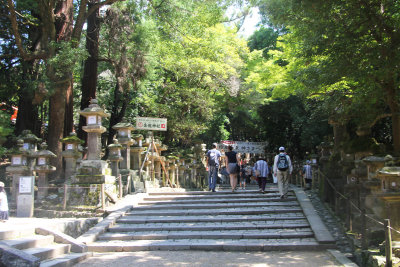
392, 102
69, 110
396, 131
63, 88
89, 80
27, 117
56, 125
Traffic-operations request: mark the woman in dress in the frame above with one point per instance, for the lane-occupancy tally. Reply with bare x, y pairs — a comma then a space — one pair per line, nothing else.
231, 160
3, 204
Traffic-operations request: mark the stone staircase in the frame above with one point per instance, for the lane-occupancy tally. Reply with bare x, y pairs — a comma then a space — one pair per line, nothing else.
245, 220
31, 245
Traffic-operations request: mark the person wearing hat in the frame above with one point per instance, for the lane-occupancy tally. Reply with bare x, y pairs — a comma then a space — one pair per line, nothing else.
3, 204
213, 157
282, 169
307, 174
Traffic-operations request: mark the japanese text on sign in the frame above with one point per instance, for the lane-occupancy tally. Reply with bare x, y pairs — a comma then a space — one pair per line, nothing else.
244, 147
153, 124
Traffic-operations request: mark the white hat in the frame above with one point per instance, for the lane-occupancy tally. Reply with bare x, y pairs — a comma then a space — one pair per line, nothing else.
1, 184
281, 148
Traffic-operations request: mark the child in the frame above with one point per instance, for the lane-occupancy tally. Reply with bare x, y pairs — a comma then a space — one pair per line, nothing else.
3, 204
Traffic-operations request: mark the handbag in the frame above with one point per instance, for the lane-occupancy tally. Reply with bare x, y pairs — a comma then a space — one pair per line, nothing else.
237, 168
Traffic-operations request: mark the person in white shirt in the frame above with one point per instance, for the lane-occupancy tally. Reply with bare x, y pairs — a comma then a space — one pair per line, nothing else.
3, 204
262, 170
307, 174
282, 169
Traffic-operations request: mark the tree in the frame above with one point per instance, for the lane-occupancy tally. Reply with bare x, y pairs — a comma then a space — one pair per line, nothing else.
58, 50
349, 48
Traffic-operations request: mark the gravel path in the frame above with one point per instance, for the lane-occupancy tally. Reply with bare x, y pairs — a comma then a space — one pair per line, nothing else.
207, 258
332, 223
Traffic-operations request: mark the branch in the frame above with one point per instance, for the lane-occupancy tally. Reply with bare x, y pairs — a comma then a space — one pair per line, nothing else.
378, 118
97, 6
18, 40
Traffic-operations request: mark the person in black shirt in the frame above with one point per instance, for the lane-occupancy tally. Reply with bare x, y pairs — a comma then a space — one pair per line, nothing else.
231, 160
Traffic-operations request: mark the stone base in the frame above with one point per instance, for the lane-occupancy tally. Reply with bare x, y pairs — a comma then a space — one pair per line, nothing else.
89, 194
94, 167
94, 179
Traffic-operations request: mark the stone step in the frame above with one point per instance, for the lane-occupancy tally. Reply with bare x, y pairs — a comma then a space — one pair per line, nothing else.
225, 211
211, 218
302, 244
216, 195
49, 252
11, 233
237, 234
29, 242
205, 227
218, 200
216, 205
66, 260
220, 192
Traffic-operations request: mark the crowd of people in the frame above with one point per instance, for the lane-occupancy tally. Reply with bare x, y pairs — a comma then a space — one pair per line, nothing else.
243, 170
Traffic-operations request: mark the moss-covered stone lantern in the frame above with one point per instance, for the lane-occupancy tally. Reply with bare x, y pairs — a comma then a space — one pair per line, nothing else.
94, 115
42, 168
124, 130
19, 166
71, 154
115, 157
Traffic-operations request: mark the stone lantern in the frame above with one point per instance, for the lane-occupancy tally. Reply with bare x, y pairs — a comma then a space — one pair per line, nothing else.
93, 177
19, 166
42, 168
30, 142
71, 154
94, 115
114, 156
124, 138
136, 151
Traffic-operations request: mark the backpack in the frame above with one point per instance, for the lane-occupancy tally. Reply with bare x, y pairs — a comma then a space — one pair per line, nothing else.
282, 162
248, 171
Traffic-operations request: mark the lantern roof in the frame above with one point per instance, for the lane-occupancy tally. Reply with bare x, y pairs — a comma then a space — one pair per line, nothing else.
28, 136
44, 152
123, 125
115, 144
72, 138
93, 109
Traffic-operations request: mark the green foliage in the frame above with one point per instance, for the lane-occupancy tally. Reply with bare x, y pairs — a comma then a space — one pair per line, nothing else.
5, 129
342, 52
66, 57
263, 39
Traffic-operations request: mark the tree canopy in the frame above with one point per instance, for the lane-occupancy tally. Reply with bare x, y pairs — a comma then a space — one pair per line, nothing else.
309, 66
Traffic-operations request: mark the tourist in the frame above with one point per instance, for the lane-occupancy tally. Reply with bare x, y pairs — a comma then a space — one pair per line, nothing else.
213, 158
307, 174
3, 204
282, 169
245, 173
262, 171
231, 160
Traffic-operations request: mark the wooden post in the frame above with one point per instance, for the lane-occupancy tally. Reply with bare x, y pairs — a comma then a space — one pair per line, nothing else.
388, 244
65, 197
120, 185
103, 197
364, 244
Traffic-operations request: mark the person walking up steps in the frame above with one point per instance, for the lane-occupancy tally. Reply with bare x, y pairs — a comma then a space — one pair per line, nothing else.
262, 170
231, 160
282, 169
3, 204
307, 174
213, 158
